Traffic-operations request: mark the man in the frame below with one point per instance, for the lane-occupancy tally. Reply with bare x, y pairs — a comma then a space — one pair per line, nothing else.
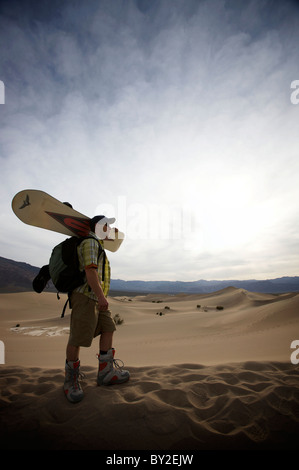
90, 315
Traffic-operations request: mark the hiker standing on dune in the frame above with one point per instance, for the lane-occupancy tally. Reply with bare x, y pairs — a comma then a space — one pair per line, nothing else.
90, 315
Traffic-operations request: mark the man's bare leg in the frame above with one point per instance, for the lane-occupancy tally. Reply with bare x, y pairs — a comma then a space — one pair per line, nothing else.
106, 341
72, 352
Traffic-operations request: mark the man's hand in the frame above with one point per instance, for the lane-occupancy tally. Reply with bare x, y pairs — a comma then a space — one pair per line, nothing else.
102, 303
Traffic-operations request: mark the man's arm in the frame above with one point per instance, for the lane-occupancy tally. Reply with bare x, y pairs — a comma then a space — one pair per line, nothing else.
94, 284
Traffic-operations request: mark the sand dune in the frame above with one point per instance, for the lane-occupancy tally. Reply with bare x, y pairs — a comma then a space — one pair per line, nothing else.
201, 377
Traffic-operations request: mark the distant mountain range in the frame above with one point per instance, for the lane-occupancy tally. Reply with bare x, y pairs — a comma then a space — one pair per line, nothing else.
274, 286
17, 277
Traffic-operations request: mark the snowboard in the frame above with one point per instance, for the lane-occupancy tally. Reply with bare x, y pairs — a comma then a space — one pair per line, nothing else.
37, 208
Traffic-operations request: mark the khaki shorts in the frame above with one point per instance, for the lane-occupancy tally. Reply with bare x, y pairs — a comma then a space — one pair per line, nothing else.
86, 320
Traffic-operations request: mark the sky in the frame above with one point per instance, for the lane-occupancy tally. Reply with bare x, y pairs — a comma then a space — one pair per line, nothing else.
177, 117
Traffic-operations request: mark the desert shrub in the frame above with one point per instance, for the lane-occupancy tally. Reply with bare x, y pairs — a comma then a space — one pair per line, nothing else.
118, 320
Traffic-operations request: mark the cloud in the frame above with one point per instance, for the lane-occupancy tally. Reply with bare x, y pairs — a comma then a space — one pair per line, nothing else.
182, 106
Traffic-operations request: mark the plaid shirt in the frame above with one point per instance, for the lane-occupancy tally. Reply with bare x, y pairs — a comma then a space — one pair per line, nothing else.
88, 252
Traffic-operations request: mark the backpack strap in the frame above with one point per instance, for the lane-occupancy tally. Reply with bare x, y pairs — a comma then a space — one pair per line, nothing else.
68, 301
65, 305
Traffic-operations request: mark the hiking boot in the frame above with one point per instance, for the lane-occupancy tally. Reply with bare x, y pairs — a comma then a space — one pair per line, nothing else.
42, 279
72, 387
108, 374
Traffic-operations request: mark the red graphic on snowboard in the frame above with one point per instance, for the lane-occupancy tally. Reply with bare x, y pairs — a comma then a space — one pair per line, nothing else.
77, 225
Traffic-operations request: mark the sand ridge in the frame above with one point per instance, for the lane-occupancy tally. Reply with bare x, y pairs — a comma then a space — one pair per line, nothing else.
186, 406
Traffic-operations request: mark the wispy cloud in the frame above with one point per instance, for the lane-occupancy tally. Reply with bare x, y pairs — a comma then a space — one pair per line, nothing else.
166, 104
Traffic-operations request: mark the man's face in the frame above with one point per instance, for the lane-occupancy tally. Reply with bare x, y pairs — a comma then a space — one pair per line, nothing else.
102, 231
107, 229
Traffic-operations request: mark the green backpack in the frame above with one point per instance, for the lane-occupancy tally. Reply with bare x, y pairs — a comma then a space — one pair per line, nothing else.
64, 265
